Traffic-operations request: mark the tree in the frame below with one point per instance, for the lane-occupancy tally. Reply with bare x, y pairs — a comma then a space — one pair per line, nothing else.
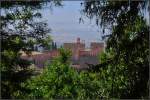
47, 43
55, 45
19, 31
52, 45
60, 81
128, 42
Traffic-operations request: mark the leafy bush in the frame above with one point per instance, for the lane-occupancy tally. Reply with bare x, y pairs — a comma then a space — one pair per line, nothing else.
60, 81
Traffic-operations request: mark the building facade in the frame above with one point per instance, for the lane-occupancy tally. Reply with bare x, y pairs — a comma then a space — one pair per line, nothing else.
82, 56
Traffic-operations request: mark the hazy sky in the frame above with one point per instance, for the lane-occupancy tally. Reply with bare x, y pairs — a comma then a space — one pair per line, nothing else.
64, 22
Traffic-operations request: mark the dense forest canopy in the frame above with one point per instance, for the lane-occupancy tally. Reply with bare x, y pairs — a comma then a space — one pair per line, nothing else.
124, 69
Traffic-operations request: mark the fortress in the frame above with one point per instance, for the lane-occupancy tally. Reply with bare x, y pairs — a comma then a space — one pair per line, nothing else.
78, 48
81, 56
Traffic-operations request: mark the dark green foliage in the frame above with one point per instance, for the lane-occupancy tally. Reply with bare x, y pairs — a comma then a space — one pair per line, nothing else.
47, 43
65, 55
53, 46
20, 31
35, 4
128, 67
60, 81
107, 12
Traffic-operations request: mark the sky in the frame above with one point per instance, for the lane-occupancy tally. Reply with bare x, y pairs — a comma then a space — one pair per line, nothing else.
64, 22
65, 26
